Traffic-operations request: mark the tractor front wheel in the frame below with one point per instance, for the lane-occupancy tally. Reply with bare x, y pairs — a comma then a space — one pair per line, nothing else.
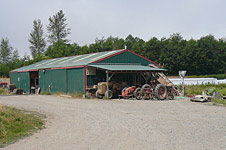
109, 94
98, 95
146, 92
138, 94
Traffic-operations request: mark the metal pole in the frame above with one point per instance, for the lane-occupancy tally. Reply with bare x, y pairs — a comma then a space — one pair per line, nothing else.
182, 75
107, 84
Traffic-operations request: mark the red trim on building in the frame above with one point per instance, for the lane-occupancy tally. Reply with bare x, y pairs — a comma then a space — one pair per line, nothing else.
49, 69
9, 77
126, 50
93, 62
27, 70
84, 79
151, 65
65, 67
109, 56
143, 57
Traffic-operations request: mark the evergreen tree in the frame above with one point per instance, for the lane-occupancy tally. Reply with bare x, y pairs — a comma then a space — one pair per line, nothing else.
5, 51
57, 28
15, 55
36, 39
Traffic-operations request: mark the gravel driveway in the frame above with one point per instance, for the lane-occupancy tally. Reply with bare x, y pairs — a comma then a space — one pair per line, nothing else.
122, 124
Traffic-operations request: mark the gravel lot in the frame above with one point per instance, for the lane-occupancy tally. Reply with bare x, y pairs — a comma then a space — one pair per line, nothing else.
122, 124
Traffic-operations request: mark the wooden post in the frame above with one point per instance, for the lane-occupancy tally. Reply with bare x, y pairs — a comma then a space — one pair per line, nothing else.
107, 84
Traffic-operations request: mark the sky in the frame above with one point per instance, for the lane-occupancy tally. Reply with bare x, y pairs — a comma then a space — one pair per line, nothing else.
91, 19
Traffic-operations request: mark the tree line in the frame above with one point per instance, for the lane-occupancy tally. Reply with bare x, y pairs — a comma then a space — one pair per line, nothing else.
203, 56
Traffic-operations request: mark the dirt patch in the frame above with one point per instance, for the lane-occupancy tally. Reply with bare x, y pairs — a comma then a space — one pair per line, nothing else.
122, 124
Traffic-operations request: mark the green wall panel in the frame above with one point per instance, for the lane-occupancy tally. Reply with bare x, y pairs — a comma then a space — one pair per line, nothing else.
14, 78
52, 80
45, 80
126, 57
58, 80
75, 80
24, 81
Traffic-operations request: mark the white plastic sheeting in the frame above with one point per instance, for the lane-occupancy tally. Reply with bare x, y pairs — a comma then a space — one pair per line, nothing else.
197, 81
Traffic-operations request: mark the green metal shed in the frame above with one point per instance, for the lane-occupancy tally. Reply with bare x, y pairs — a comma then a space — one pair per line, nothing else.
78, 73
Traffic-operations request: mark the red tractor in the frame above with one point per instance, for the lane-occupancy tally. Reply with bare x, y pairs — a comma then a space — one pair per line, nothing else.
160, 87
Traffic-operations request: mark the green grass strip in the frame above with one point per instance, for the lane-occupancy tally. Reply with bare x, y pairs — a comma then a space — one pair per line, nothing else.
16, 124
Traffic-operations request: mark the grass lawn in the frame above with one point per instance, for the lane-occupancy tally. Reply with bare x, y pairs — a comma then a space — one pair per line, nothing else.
192, 90
3, 91
16, 124
218, 101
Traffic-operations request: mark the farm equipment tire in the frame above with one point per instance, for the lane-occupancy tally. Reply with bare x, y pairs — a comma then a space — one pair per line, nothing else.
98, 95
146, 92
160, 92
109, 94
170, 96
138, 94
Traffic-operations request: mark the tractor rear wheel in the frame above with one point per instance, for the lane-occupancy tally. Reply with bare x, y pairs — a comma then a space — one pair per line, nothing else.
160, 92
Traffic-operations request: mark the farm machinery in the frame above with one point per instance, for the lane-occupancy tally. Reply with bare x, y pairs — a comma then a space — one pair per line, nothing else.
157, 86
160, 87
114, 88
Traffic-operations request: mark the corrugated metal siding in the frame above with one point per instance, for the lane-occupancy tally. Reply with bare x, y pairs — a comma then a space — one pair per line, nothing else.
45, 80
52, 80
126, 57
14, 78
24, 81
42, 81
90, 80
58, 80
75, 80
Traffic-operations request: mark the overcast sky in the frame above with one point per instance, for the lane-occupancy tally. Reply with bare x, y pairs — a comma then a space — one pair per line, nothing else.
89, 19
